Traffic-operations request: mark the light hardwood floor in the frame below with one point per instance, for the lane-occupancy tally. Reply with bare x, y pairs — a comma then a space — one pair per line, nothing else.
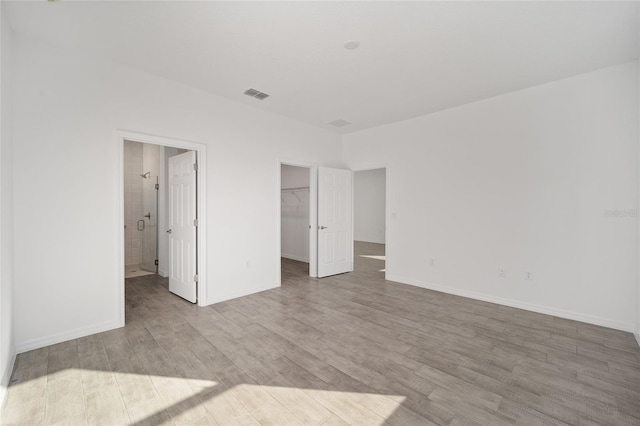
350, 349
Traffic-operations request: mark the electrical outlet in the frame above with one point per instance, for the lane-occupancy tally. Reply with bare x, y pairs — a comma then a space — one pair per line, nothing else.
528, 275
501, 273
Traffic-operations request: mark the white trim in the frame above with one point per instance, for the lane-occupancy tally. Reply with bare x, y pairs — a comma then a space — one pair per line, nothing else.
365, 241
162, 237
604, 322
387, 214
313, 215
201, 155
67, 335
119, 216
637, 332
4, 383
294, 257
244, 292
313, 222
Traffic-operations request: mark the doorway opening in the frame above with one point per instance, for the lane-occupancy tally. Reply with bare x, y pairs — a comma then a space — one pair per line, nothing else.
329, 224
296, 236
159, 191
163, 190
369, 217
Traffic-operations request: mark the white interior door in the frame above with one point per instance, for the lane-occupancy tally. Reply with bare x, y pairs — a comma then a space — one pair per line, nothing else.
335, 222
182, 226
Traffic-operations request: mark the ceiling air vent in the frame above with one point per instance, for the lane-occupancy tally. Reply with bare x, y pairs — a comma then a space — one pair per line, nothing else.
339, 123
256, 94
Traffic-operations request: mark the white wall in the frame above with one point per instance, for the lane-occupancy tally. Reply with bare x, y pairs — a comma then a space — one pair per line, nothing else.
7, 348
294, 211
67, 108
521, 182
369, 205
294, 176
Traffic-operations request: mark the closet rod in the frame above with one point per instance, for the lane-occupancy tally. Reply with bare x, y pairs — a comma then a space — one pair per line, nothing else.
294, 189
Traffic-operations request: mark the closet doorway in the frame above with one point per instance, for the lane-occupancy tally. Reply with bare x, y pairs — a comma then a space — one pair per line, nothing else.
298, 239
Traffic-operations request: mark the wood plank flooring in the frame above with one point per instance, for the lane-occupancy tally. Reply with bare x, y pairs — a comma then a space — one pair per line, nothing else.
350, 349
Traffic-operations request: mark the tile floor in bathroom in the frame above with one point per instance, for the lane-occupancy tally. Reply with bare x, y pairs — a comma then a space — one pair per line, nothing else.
132, 271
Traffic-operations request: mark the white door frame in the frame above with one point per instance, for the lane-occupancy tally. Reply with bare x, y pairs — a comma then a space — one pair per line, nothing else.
387, 212
201, 150
313, 215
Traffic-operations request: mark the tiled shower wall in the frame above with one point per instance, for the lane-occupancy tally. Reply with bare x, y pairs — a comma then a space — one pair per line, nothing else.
132, 202
150, 163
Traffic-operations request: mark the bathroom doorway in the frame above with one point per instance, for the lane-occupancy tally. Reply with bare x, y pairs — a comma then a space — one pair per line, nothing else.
160, 216
181, 248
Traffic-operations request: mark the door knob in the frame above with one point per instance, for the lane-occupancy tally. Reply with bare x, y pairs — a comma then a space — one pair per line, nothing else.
323, 227
168, 231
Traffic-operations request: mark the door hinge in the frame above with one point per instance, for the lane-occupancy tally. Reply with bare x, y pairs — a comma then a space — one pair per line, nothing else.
195, 222
157, 186
195, 166
156, 262
195, 277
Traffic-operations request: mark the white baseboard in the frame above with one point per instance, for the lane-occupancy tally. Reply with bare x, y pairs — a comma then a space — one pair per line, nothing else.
6, 376
604, 322
245, 292
368, 241
637, 334
294, 257
162, 273
63, 337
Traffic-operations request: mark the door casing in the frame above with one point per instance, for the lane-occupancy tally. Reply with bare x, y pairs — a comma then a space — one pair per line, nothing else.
201, 149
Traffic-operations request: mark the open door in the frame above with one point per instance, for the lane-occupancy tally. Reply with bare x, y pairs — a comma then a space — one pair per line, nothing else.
182, 226
335, 224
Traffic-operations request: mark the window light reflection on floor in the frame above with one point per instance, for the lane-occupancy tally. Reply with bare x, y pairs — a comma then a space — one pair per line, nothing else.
118, 397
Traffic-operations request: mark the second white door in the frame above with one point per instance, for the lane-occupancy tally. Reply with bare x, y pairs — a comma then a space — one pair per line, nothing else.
335, 221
